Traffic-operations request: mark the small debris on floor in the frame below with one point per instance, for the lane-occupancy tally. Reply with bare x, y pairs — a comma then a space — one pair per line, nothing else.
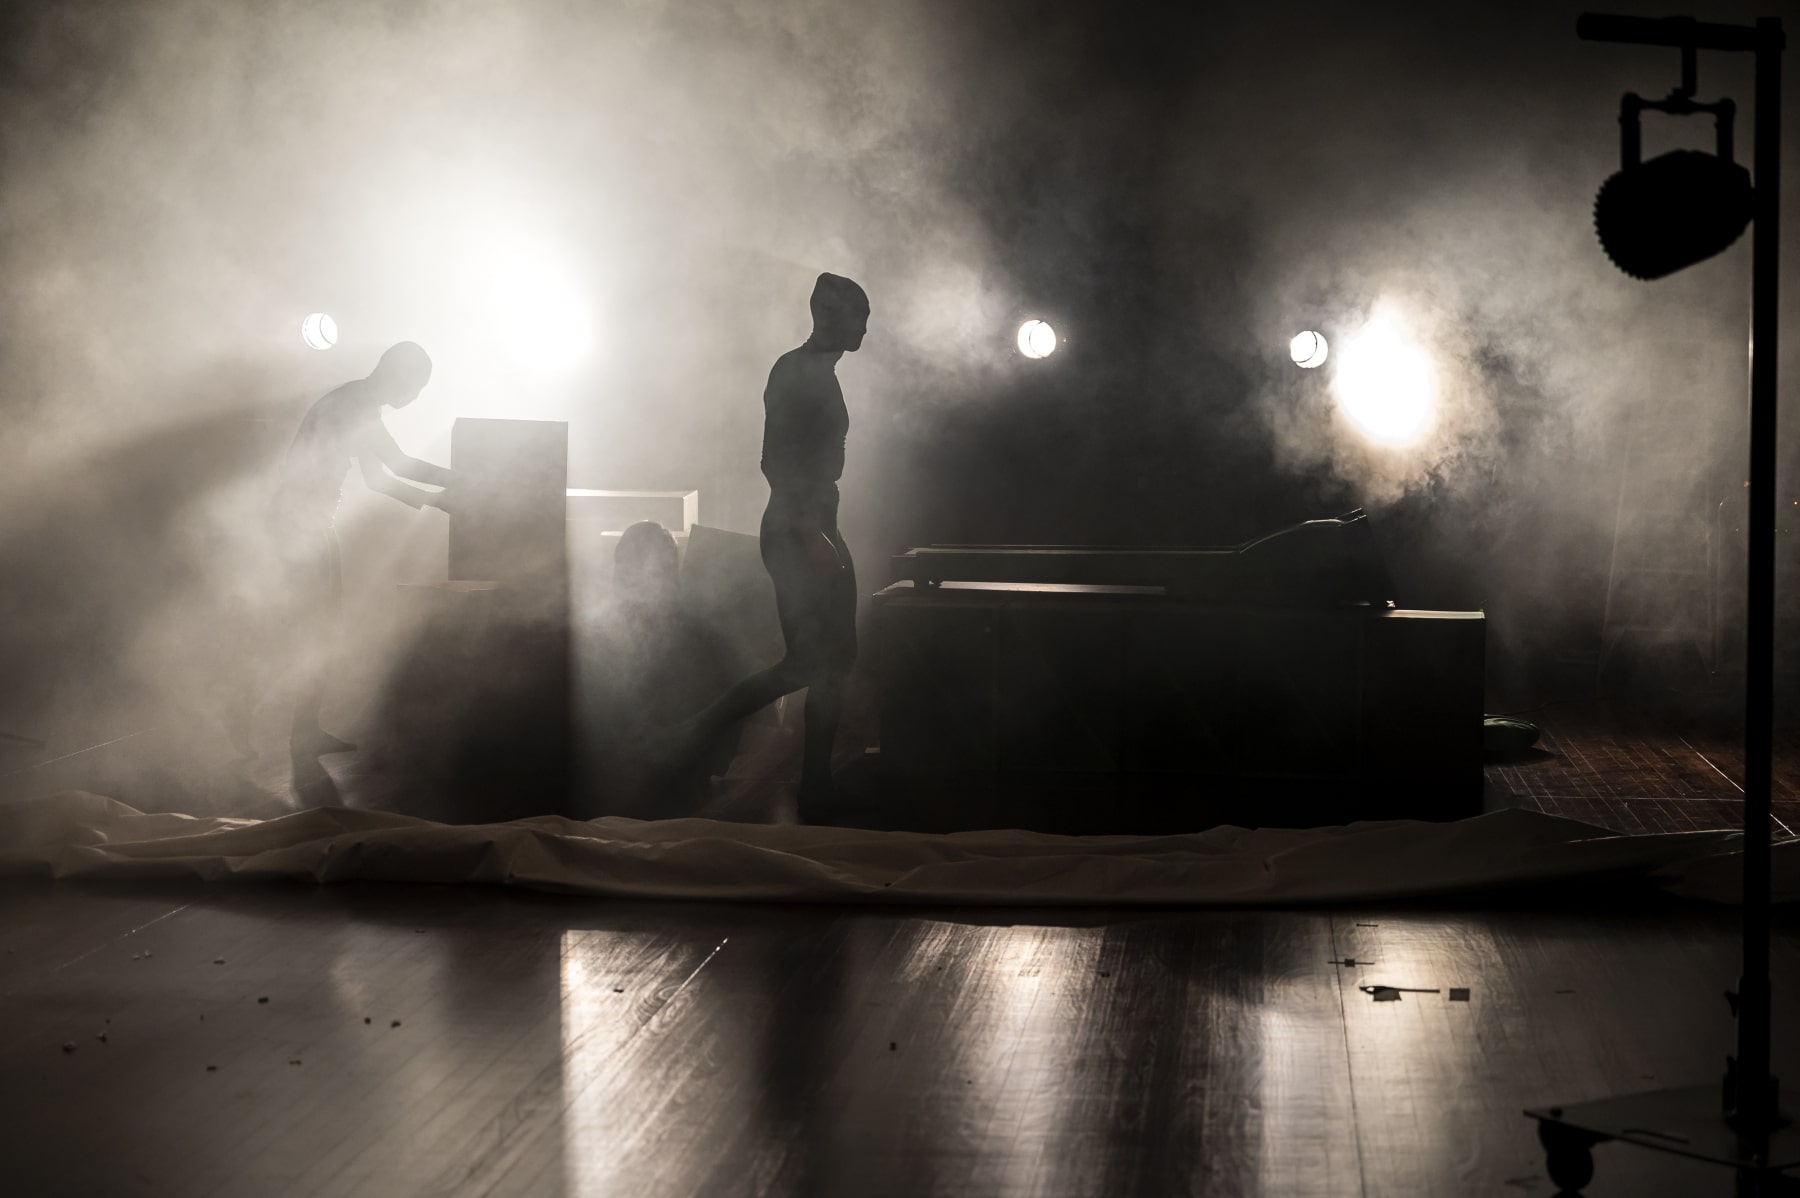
366, 1019
295, 1061
68, 1046
893, 1045
1106, 973
218, 960
618, 989
1459, 994
419, 930
1562, 992
396, 1023
264, 998
1368, 925
1349, 962
1393, 993
101, 1037
212, 1068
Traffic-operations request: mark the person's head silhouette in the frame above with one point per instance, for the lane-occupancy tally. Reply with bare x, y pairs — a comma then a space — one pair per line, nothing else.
646, 564
401, 374
840, 313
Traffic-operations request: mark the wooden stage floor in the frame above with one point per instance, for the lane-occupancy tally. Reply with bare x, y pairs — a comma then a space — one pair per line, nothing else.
480, 1041
273, 1040
1637, 774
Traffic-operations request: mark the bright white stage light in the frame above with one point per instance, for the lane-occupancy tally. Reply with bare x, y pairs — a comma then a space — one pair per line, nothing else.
1385, 384
538, 312
1037, 339
319, 331
1308, 349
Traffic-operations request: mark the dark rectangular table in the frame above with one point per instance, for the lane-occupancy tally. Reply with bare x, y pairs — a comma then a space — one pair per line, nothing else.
1069, 706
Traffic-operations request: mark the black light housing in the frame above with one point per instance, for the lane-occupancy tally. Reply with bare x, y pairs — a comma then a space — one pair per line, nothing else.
1679, 208
1655, 218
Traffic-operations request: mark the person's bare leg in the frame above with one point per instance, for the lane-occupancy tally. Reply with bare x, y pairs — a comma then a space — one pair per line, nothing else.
824, 710
835, 632
306, 738
241, 696
745, 698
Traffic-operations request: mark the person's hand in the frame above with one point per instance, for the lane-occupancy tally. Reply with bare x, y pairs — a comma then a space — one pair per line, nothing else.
439, 500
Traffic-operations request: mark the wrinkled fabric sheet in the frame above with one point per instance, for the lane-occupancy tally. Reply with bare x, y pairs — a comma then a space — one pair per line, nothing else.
81, 835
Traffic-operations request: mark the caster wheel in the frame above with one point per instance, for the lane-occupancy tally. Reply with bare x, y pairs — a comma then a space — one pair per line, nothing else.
1568, 1156
1570, 1168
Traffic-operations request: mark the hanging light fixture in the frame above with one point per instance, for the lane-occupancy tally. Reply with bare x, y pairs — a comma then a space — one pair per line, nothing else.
1657, 217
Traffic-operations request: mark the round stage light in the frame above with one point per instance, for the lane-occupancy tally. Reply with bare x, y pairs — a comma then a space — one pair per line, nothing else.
319, 331
1037, 339
1385, 384
1308, 349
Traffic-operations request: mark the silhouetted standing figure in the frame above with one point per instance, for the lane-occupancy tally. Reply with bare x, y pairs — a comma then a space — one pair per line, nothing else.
804, 427
344, 425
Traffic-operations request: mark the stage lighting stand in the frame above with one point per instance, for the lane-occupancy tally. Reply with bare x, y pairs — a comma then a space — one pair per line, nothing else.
1747, 1131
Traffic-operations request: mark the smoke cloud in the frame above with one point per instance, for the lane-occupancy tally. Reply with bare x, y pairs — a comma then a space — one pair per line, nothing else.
1179, 189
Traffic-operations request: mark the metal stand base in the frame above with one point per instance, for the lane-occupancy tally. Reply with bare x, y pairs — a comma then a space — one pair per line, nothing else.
1687, 1122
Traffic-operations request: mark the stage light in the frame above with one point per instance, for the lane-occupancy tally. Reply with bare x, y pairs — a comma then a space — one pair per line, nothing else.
540, 315
319, 331
1679, 208
1656, 217
1309, 350
1385, 384
1037, 339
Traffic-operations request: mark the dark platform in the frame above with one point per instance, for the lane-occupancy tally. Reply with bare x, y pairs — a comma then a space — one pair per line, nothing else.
481, 685
510, 516
1122, 709
1311, 564
481, 688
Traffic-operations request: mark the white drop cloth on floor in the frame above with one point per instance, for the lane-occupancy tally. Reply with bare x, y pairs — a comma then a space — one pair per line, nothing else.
81, 835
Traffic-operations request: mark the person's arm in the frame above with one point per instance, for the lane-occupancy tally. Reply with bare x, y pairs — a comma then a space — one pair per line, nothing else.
380, 480
375, 453
382, 443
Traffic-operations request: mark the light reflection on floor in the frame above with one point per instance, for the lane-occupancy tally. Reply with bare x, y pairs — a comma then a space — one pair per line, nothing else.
596, 993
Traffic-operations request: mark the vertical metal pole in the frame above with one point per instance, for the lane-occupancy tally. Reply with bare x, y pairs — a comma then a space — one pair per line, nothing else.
1754, 1107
